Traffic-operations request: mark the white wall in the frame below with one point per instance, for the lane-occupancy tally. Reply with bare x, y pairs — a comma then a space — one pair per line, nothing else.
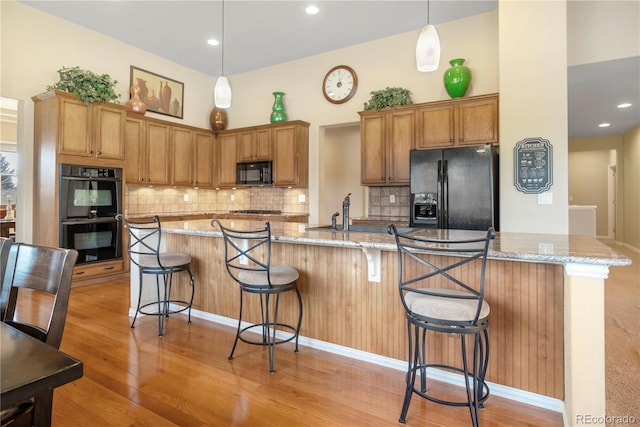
533, 103
602, 30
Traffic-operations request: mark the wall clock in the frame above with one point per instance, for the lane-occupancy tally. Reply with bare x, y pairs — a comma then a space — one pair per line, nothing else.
339, 84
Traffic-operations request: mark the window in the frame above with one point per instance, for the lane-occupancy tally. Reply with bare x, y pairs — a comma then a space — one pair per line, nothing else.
8, 151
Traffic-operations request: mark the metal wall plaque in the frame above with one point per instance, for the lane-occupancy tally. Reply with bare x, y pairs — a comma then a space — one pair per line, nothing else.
533, 169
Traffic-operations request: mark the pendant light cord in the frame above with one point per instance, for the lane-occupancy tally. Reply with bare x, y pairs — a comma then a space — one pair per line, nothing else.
222, 61
428, 14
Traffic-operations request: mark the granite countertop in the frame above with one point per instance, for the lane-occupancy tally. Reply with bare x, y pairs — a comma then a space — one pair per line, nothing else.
239, 213
527, 247
542, 248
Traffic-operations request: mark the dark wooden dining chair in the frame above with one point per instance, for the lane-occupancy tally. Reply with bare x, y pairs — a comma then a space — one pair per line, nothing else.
5, 246
34, 270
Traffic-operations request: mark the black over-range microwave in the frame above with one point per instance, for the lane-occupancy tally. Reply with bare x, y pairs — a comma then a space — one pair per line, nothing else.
254, 173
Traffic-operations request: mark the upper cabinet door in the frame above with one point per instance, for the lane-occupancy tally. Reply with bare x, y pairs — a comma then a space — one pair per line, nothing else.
181, 156
373, 152
227, 149
291, 155
157, 154
478, 121
401, 128
134, 172
108, 131
74, 127
204, 159
435, 126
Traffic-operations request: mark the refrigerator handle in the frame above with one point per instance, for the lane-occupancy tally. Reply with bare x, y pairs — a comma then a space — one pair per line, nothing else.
445, 194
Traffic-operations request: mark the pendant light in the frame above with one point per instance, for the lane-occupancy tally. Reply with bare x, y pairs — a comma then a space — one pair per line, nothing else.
222, 89
428, 48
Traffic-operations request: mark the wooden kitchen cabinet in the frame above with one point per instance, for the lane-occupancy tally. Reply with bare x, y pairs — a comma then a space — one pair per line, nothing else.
91, 134
192, 157
254, 145
463, 121
182, 156
227, 149
68, 131
147, 151
291, 154
286, 144
205, 162
386, 140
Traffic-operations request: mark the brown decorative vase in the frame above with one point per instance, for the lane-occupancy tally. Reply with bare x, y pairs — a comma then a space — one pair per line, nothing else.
135, 104
218, 119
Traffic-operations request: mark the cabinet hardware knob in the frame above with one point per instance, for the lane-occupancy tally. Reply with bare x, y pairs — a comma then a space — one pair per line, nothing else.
382, 178
390, 178
141, 179
452, 140
98, 153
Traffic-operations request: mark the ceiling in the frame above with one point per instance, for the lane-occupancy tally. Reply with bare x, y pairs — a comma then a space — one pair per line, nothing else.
265, 32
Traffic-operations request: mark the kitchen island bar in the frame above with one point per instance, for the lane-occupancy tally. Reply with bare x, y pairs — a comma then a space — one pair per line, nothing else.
546, 294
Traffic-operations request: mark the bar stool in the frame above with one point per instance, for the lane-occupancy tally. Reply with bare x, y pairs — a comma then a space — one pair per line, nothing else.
248, 262
144, 251
451, 307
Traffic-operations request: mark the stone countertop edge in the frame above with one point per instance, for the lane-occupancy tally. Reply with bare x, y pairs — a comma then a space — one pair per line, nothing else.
524, 247
174, 214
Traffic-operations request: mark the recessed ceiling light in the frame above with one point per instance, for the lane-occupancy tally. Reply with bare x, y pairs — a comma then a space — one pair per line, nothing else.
312, 10
213, 42
624, 105
604, 125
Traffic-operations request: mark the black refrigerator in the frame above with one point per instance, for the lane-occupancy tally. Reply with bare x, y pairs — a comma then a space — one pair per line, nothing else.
455, 188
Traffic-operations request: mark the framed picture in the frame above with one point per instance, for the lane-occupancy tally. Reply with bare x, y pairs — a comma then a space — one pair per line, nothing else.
160, 94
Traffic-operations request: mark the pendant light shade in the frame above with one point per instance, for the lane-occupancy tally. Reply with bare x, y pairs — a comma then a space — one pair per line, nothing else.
428, 48
222, 93
222, 89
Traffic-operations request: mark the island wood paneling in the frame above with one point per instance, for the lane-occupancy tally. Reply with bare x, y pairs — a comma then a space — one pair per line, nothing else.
342, 307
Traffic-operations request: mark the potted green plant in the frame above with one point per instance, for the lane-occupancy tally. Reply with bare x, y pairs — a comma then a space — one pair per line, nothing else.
87, 85
388, 98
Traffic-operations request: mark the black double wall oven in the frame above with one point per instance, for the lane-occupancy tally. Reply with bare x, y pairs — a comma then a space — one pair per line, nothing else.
90, 199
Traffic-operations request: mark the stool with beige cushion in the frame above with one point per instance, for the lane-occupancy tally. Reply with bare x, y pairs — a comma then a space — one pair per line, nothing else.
441, 283
248, 262
144, 252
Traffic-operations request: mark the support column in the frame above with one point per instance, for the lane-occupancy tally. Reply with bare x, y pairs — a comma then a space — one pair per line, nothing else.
584, 346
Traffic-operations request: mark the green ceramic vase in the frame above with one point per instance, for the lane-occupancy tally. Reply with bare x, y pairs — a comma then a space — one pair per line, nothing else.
457, 78
277, 113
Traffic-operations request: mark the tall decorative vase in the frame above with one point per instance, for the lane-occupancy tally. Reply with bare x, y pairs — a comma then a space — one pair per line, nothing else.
457, 78
135, 104
218, 119
277, 113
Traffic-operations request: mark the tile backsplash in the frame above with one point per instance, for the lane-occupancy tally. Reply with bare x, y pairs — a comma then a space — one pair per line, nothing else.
141, 200
380, 201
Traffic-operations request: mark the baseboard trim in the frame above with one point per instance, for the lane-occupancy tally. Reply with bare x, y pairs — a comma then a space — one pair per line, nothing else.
503, 391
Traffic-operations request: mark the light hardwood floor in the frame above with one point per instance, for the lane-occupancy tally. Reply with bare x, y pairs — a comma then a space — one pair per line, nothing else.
132, 377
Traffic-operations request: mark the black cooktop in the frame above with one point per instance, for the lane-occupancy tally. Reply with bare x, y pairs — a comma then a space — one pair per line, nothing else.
257, 212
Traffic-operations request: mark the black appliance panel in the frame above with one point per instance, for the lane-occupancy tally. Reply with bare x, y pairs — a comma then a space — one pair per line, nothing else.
95, 240
89, 192
455, 188
254, 173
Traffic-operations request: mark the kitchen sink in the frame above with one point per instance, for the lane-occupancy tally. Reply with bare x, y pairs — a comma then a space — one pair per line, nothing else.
363, 229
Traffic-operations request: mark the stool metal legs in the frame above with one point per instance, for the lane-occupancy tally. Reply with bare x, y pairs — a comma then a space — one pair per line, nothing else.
268, 327
163, 299
477, 390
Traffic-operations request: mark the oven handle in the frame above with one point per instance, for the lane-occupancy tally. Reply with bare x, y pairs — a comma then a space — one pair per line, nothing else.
102, 220
83, 178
